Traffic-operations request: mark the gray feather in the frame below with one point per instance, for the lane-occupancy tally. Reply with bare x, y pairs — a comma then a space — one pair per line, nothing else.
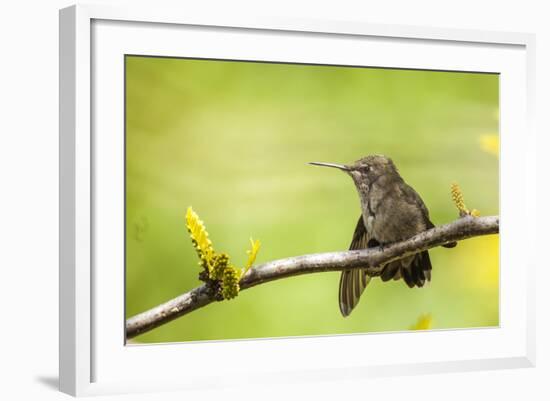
353, 282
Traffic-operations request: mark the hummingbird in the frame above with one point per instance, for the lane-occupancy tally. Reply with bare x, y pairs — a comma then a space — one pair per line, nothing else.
391, 211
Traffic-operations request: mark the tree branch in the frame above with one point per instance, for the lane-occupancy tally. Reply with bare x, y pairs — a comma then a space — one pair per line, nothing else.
372, 259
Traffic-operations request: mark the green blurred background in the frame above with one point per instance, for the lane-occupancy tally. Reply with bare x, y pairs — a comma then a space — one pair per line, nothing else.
232, 139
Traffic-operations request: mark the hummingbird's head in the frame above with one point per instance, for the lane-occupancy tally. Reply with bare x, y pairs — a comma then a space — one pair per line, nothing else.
367, 169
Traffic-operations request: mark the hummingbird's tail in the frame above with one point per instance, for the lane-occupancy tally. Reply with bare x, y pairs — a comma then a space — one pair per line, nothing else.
415, 270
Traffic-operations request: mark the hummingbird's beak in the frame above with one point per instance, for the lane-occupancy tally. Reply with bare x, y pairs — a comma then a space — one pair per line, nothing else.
338, 166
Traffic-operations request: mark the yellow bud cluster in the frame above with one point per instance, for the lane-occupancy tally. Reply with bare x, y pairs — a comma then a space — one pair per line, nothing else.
217, 270
200, 240
458, 200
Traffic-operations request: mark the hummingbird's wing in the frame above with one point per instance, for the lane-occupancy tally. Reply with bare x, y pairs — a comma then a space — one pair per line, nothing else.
416, 269
353, 282
411, 196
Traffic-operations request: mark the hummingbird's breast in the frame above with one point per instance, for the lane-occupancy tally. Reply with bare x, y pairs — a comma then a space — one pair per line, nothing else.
369, 224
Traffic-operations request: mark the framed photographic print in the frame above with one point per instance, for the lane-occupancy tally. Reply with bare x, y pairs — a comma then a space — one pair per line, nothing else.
258, 191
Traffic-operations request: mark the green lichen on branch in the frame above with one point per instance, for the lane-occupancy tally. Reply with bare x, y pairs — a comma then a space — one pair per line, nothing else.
458, 200
230, 283
217, 270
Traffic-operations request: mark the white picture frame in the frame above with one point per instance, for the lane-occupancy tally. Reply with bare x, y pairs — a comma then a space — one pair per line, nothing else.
94, 361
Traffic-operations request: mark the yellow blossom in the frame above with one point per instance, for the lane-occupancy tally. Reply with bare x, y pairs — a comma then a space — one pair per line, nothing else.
424, 322
489, 143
